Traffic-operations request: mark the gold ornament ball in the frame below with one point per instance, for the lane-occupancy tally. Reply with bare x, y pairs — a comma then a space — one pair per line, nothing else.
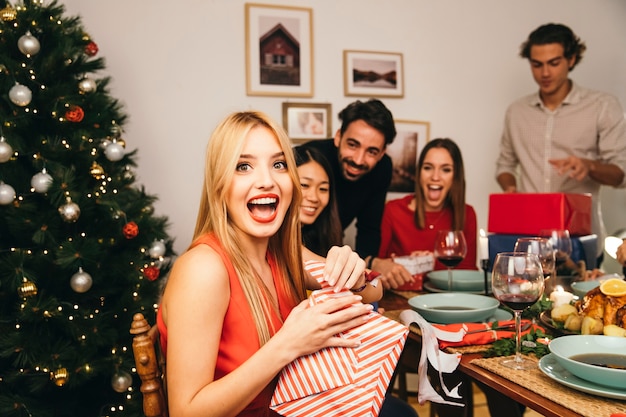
8, 14
27, 289
96, 170
60, 377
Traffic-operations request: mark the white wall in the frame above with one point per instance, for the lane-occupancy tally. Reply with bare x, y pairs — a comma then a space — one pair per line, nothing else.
179, 67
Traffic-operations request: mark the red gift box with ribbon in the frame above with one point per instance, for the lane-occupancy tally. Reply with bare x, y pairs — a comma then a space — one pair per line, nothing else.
529, 213
341, 381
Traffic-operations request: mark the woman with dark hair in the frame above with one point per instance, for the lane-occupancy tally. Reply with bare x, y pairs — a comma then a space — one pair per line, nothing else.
411, 223
321, 227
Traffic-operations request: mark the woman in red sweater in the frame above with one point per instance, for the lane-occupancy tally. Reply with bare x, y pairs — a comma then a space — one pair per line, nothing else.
411, 223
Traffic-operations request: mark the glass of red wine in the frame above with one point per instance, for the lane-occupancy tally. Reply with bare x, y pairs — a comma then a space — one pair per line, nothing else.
517, 282
450, 250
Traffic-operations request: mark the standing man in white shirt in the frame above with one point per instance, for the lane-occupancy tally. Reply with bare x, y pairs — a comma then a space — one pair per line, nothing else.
562, 138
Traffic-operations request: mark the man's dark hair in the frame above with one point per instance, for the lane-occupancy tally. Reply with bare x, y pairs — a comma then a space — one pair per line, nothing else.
374, 113
555, 33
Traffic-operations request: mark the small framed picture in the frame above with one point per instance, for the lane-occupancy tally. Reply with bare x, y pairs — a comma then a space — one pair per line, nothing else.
404, 152
307, 121
279, 50
373, 74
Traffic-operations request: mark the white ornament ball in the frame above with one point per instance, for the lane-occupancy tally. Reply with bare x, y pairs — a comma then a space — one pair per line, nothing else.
81, 281
157, 249
7, 194
87, 85
6, 151
121, 381
20, 95
28, 44
41, 181
114, 152
70, 212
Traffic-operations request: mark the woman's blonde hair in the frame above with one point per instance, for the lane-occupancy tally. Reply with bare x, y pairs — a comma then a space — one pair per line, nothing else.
222, 154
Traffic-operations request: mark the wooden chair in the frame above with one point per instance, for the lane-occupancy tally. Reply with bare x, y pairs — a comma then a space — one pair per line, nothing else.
150, 365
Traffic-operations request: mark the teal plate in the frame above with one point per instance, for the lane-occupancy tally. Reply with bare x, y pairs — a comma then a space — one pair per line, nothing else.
549, 366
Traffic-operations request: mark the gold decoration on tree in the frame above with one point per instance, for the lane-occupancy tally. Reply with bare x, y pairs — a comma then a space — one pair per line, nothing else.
60, 377
96, 170
8, 14
27, 289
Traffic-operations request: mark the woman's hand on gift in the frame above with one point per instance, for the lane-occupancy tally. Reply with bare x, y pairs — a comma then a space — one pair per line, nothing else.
344, 268
308, 329
392, 275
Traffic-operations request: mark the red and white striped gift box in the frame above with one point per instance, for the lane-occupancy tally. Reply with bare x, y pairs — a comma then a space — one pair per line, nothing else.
342, 381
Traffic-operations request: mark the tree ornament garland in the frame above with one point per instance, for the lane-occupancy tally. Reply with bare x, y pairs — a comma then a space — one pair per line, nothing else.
70, 212
91, 49
20, 95
81, 281
28, 44
6, 151
74, 114
60, 377
151, 272
7, 194
41, 182
130, 230
87, 85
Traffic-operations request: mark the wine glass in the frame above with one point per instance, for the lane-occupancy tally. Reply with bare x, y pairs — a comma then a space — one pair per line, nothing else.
561, 244
450, 250
541, 247
517, 282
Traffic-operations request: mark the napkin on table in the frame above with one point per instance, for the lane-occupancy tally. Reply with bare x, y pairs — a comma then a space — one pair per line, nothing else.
482, 338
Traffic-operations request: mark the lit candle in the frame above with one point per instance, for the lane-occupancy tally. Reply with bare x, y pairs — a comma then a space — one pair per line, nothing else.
484, 245
560, 296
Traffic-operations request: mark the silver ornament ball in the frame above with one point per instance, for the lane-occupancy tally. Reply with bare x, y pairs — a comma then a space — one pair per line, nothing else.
7, 194
28, 44
6, 151
70, 212
121, 381
114, 152
157, 249
81, 281
87, 85
41, 182
20, 95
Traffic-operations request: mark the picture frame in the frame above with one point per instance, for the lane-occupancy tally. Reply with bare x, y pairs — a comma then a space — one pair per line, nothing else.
279, 50
307, 121
404, 152
373, 74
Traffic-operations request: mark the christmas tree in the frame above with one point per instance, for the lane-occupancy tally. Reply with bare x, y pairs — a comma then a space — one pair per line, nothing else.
81, 249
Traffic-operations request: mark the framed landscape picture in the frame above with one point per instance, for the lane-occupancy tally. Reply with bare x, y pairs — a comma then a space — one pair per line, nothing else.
279, 50
307, 121
404, 152
373, 74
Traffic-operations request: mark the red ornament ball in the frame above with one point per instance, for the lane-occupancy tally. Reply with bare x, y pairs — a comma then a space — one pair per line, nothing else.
130, 230
91, 48
151, 272
74, 114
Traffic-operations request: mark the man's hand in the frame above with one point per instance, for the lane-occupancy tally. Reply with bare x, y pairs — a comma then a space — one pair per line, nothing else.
574, 167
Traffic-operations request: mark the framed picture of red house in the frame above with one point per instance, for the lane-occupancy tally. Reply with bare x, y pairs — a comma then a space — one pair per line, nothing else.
279, 50
373, 74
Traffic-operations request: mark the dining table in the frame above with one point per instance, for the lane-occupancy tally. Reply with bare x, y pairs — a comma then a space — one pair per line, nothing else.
532, 388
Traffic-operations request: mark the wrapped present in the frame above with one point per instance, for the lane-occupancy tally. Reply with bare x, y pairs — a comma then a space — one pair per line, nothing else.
341, 381
417, 263
529, 213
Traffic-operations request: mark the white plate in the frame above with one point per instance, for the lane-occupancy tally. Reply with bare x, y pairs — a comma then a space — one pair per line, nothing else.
549, 366
462, 279
428, 286
500, 315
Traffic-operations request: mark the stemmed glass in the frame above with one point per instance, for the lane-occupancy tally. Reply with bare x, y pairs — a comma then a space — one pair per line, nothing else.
517, 282
450, 250
561, 244
541, 247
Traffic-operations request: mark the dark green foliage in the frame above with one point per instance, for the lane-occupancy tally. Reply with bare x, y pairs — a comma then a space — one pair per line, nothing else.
45, 324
